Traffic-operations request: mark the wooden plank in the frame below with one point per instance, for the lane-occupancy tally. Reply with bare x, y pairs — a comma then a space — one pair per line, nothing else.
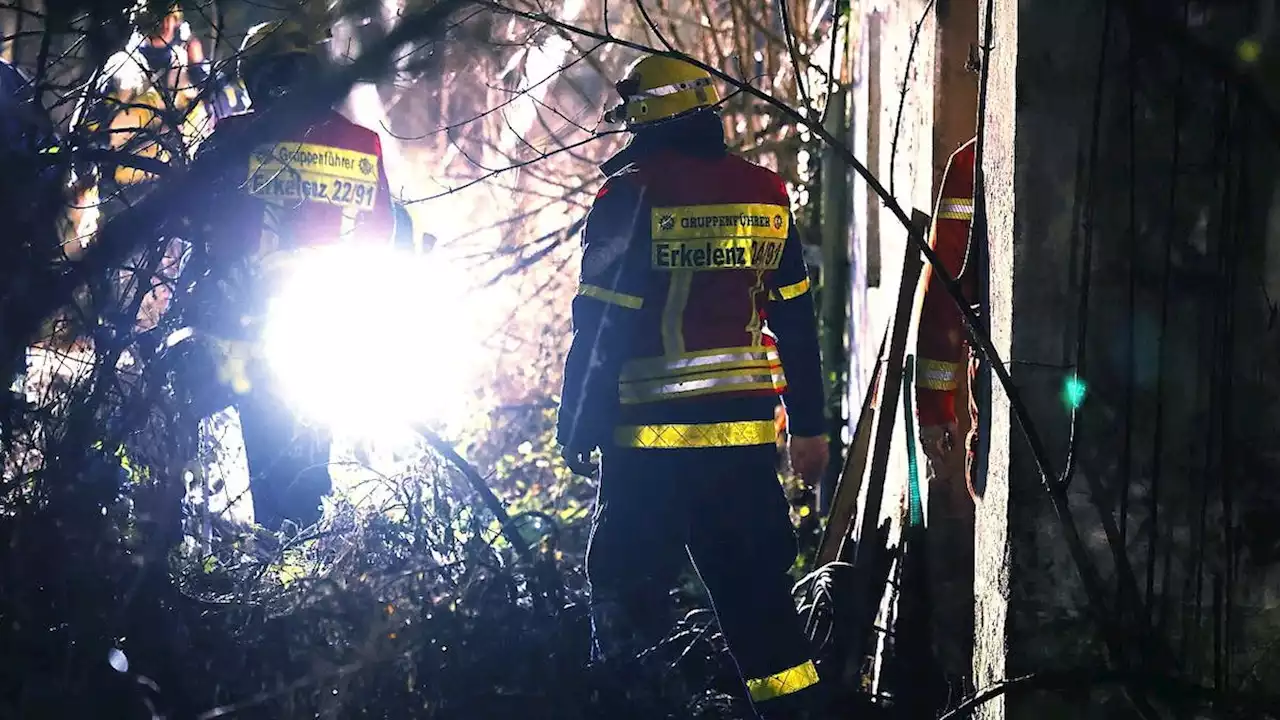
891, 389
844, 503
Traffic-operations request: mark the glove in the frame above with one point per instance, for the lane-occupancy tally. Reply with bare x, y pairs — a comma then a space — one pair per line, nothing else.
937, 442
809, 456
579, 461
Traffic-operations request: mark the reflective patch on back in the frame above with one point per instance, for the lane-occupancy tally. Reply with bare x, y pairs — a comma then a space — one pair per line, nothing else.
289, 173
736, 236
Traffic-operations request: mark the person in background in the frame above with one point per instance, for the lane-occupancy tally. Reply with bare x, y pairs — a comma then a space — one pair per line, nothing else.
943, 359
321, 184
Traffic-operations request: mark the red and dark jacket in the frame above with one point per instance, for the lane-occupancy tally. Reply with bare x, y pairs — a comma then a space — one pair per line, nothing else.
941, 339
323, 184
693, 299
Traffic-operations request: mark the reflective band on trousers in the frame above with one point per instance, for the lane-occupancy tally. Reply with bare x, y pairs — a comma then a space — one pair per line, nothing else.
788, 681
705, 435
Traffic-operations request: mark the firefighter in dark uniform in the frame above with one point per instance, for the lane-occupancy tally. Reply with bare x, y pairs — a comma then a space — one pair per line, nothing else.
693, 298
941, 344
321, 184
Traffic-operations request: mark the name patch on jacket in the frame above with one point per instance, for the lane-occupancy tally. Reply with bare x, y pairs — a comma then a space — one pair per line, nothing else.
739, 236
289, 173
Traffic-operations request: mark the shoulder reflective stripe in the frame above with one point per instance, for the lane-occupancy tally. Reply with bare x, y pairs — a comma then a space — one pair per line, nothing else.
725, 434
937, 375
955, 208
791, 680
632, 302
789, 292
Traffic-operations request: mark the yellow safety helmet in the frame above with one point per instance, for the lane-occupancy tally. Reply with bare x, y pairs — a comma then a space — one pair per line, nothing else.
279, 38
659, 88
146, 15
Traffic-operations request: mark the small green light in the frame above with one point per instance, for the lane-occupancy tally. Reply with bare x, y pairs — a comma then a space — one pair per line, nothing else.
1249, 50
1074, 391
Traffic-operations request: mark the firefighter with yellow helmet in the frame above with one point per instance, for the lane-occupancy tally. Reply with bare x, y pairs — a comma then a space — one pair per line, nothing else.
321, 184
146, 102
692, 301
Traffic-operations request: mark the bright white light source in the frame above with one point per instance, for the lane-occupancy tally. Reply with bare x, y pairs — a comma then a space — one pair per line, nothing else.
367, 339
117, 660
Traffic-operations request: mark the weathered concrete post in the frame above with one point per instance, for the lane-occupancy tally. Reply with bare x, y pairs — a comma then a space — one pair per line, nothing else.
1031, 611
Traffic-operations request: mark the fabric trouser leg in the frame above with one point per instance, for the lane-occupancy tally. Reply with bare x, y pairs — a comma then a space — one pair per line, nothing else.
727, 508
288, 463
635, 553
743, 546
950, 559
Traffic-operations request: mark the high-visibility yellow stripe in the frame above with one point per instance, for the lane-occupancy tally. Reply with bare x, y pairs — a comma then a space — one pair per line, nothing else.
632, 302
717, 253
673, 312
725, 434
794, 290
731, 220
937, 375
791, 680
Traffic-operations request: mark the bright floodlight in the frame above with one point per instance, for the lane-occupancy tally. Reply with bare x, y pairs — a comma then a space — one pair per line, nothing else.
353, 336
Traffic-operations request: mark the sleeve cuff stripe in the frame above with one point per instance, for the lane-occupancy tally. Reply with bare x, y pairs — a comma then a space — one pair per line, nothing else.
632, 302
794, 290
937, 375
955, 208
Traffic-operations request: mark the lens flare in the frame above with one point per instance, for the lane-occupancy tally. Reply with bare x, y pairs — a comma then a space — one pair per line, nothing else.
355, 340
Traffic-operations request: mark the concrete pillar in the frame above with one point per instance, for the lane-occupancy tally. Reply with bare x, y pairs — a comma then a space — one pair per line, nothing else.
1029, 606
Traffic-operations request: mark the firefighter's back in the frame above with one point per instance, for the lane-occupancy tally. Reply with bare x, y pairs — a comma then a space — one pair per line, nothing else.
701, 354
321, 184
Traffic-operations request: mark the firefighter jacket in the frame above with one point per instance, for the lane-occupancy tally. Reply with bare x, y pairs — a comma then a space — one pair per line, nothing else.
321, 184
326, 183
693, 298
941, 339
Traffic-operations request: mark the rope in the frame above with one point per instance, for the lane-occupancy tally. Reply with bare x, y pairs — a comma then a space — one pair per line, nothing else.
915, 511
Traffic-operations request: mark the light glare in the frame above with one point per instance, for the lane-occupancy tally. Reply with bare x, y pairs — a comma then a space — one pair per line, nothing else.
352, 338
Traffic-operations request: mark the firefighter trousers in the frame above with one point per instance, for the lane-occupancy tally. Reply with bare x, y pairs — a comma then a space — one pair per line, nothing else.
288, 462
725, 509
